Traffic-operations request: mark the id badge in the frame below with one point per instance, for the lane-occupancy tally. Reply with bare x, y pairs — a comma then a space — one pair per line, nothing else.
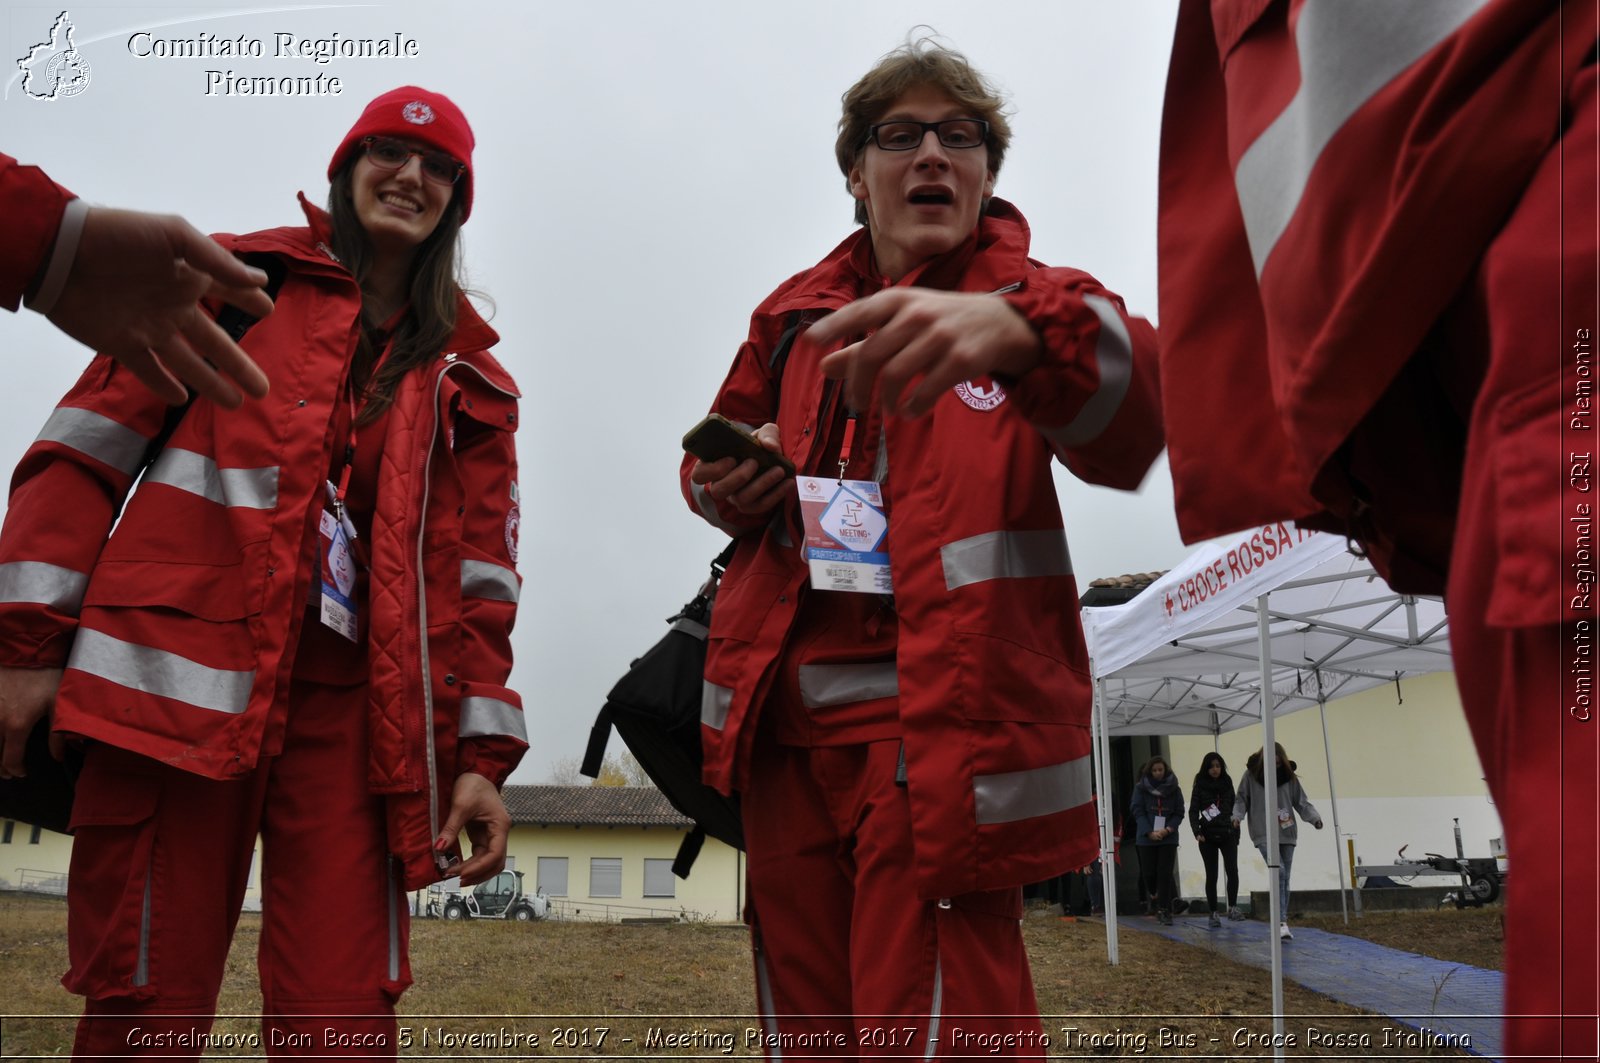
846, 534
338, 577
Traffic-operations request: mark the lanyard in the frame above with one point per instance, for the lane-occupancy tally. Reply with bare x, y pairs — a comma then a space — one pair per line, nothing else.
844, 447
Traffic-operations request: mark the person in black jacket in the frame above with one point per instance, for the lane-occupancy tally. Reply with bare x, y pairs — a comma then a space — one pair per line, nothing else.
1158, 804
1210, 806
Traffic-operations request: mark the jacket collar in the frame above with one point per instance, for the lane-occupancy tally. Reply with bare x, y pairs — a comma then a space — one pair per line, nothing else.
993, 256
310, 248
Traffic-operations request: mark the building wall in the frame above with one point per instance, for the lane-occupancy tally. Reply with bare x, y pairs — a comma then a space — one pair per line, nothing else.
1403, 767
714, 890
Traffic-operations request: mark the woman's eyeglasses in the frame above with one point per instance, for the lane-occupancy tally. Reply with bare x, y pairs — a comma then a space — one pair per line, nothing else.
387, 153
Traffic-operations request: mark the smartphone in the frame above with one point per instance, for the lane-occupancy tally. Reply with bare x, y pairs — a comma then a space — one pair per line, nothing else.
716, 438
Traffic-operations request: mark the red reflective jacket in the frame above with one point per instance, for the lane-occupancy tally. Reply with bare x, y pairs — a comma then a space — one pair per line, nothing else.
178, 630
993, 687
1331, 175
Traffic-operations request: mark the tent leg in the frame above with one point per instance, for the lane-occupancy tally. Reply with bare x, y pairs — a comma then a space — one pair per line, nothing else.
1108, 851
1333, 804
1269, 768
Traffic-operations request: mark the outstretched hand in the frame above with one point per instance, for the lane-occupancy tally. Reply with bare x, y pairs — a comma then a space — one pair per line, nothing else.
134, 291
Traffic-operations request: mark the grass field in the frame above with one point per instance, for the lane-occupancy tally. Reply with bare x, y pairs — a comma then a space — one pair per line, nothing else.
582, 978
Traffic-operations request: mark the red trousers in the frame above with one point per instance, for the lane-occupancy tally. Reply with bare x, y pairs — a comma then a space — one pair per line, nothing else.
849, 962
160, 863
1523, 603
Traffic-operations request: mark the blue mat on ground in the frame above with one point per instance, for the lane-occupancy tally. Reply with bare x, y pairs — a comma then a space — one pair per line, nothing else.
1451, 999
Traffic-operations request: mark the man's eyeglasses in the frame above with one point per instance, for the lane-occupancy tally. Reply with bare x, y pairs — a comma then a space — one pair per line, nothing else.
387, 153
905, 135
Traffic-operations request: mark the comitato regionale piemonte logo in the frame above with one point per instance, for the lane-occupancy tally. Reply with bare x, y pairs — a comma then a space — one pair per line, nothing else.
55, 69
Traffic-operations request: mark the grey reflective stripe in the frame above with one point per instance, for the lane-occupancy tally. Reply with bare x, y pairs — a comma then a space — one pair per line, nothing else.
98, 436
715, 702
394, 920
1005, 555
1030, 794
141, 964
936, 1012
690, 627
491, 717
822, 685
1113, 357
43, 584
485, 579
769, 1013
1348, 49
199, 475
161, 673
708, 510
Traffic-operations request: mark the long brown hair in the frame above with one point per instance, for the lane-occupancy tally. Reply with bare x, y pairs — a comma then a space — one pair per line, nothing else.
434, 290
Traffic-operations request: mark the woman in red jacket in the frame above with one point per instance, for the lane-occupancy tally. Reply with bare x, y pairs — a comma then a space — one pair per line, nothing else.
907, 721
299, 627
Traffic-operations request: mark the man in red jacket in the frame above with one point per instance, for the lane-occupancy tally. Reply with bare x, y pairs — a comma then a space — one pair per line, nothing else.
127, 284
896, 681
1378, 315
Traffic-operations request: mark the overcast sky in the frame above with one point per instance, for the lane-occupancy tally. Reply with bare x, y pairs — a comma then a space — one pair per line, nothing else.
646, 173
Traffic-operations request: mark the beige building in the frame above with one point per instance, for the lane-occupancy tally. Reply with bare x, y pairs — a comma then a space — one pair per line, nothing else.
606, 853
1403, 768
32, 858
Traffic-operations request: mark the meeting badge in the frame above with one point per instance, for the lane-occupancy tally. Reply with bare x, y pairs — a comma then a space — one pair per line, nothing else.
846, 532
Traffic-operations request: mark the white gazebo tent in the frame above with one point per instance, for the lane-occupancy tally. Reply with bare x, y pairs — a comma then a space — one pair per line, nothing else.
1186, 656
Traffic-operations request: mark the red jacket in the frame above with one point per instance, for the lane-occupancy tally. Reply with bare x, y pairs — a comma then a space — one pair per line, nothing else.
1329, 182
993, 686
32, 206
178, 631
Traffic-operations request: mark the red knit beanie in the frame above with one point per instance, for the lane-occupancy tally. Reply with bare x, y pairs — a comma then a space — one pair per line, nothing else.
414, 114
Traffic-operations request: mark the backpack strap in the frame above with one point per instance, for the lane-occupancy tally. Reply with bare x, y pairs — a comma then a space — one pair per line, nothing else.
688, 851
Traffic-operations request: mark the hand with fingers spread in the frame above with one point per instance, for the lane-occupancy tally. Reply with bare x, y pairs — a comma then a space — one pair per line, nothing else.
740, 483
920, 342
476, 807
26, 696
133, 293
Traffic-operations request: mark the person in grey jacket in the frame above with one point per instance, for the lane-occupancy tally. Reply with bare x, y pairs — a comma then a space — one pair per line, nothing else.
1251, 805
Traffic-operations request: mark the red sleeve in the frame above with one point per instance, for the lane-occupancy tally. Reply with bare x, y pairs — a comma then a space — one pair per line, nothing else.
65, 494
1095, 396
493, 731
32, 205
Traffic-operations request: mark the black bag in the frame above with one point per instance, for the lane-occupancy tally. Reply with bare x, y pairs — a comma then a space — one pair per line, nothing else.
656, 710
43, 798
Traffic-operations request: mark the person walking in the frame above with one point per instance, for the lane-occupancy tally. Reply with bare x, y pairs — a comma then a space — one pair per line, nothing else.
1211, 800
1252, 805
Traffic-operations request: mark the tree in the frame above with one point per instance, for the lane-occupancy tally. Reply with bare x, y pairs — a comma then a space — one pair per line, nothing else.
616, 770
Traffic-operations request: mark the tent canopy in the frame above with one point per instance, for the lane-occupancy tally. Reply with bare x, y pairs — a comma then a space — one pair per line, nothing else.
1182, 657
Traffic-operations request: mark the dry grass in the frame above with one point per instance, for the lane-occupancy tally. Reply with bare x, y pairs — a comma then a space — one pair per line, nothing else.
1471, 935
585, 976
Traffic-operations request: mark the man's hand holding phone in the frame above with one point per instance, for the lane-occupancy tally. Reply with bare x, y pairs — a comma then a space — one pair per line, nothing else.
742, 482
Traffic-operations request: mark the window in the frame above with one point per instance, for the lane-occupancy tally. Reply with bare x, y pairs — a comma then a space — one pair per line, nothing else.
605, 876
658, 879
5, 832
553, 875
33, 835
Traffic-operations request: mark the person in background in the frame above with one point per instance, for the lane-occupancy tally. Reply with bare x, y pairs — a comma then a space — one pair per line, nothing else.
1158, 808
298, 628
128, 284
1252, 804
911, 752
1211, 800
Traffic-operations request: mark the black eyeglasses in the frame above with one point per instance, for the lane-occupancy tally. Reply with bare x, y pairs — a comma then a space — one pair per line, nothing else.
904, 135
387, 153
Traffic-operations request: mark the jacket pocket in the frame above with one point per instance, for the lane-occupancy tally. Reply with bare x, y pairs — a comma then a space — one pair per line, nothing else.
109, 940
214, 592
1006, 679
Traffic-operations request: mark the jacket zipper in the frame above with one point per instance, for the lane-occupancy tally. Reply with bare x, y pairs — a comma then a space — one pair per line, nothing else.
450, 363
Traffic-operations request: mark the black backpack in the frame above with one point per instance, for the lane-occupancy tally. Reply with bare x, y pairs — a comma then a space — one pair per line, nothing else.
655, 707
